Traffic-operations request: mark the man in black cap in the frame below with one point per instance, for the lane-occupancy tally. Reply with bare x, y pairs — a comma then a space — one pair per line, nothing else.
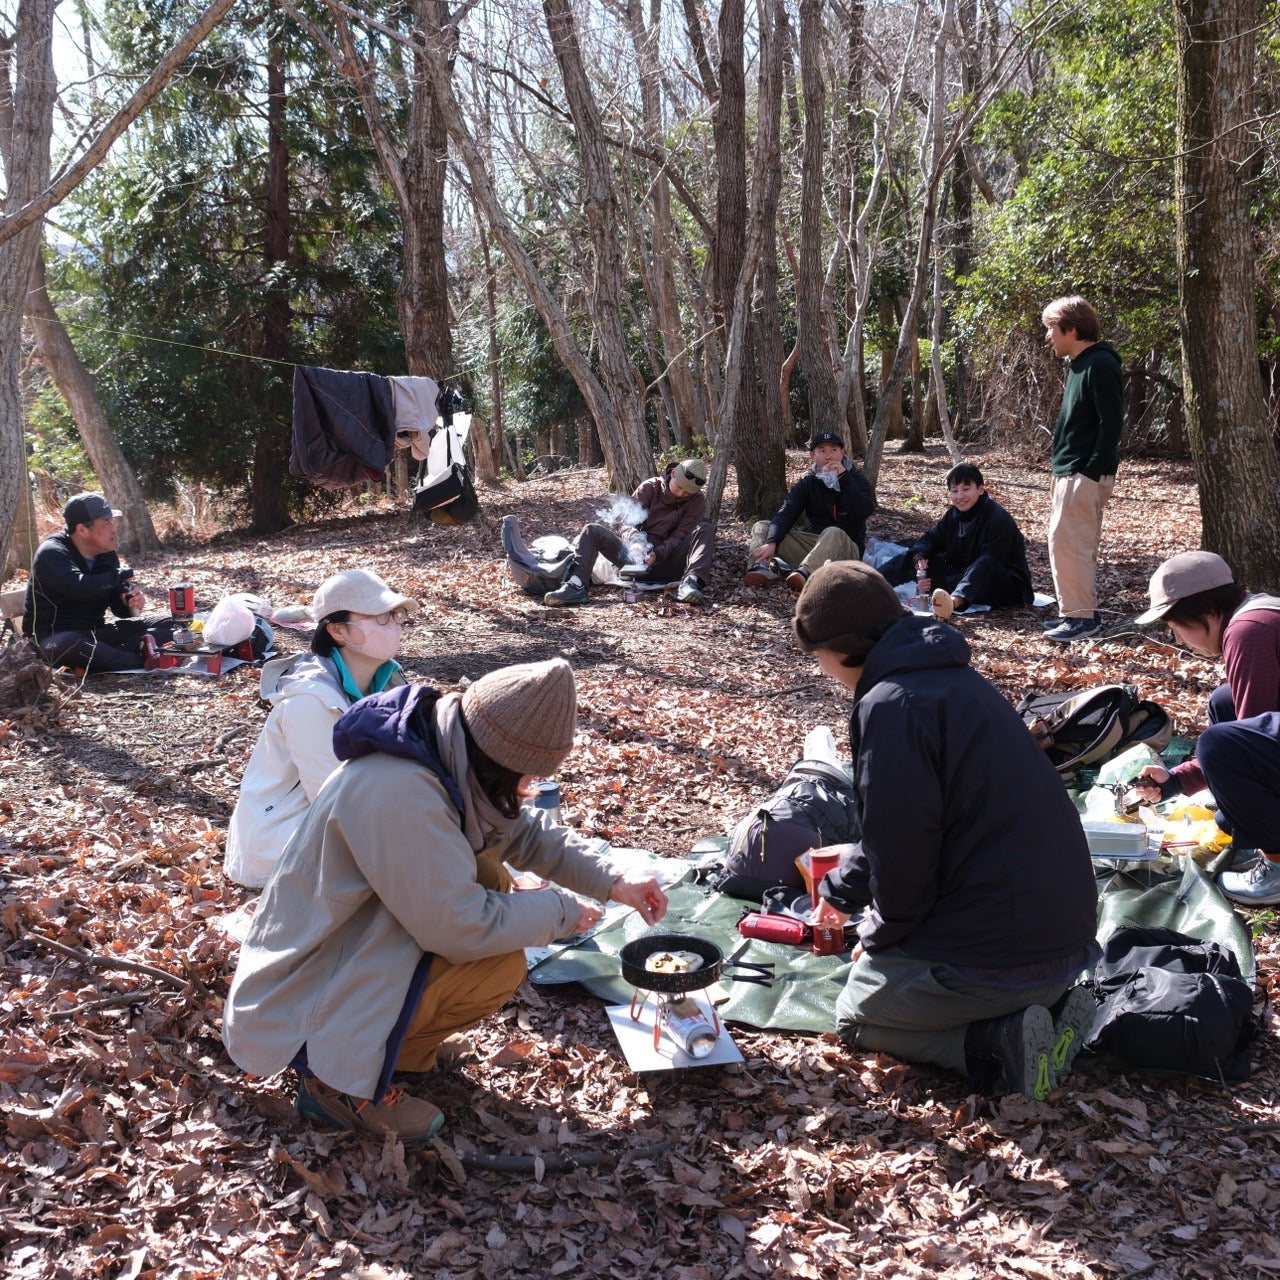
971, 870
75, 578
835, 500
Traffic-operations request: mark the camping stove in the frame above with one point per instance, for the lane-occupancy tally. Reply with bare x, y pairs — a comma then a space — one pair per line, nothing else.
690, 1026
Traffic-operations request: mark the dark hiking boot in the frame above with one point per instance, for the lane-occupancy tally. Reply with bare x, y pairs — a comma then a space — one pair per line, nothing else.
690, 591
570, 593
1019, 1046
1070, 629
411, 1119
1073, 1017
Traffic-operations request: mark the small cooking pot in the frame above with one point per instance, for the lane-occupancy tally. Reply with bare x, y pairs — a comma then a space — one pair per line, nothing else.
634, 954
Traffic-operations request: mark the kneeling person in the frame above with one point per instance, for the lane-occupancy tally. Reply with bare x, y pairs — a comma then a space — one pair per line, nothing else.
388, 923
972, 865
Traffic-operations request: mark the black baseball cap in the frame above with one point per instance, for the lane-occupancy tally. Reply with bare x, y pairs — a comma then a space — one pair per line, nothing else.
85, 508
825, 437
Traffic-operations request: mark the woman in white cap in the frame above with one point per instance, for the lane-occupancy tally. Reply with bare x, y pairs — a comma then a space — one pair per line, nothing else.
1238, 756
389, 923
358, 627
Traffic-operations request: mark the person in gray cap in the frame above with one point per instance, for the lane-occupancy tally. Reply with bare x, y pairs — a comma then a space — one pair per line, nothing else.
1237, 757
971, 866
833, 499
389, 923
665, 533
76, 577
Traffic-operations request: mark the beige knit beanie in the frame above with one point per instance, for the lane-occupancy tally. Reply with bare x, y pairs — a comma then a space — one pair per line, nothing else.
841, 604
523, 717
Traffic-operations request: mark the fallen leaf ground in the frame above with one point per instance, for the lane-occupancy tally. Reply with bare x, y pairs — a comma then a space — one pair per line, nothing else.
132, 1147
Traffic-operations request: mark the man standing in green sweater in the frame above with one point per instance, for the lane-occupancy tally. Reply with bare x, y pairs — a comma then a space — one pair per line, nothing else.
1086, 455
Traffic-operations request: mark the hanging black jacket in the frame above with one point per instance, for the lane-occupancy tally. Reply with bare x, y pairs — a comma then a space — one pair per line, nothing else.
971, 854
849, 506
344, 426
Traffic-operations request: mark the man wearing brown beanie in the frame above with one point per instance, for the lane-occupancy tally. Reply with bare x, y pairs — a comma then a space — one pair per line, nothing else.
972, 867
388, 923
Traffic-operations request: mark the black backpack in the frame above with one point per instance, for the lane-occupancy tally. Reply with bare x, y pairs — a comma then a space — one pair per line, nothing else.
1171, 1005
1089, 726
814, 807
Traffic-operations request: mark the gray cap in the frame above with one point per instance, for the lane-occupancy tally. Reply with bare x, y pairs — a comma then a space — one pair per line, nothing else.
1181, 576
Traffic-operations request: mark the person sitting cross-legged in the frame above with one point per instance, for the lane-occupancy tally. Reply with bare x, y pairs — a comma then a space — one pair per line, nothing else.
833, 499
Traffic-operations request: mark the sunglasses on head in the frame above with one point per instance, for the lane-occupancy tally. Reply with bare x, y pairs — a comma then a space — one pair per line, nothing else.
688, 475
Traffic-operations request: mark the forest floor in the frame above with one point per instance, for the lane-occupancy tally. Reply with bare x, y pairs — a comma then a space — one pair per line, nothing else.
134, 1148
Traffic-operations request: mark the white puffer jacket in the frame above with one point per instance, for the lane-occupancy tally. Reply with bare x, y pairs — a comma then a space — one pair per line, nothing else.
290, 761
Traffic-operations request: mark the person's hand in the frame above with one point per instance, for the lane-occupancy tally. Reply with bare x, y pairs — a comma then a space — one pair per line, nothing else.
1147, 783
836, 465
763, 552
135, 599
589, 914
643, 892
650, 560
825, 914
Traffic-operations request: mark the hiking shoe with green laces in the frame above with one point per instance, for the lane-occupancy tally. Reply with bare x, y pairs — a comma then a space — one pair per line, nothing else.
411, 1119
1073, 1017
1020, 1045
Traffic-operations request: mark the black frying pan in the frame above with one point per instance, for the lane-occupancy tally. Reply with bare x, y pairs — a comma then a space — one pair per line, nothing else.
634, 954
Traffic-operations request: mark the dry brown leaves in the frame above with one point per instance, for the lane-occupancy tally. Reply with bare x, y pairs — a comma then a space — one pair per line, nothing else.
132, 1147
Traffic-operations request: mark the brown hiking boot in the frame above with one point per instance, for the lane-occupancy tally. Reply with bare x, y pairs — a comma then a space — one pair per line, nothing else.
411, 1119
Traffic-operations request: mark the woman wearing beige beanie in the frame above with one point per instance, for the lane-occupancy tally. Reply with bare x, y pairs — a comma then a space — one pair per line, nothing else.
389, 924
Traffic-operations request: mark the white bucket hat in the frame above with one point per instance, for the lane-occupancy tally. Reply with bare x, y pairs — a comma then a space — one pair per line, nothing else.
357, 591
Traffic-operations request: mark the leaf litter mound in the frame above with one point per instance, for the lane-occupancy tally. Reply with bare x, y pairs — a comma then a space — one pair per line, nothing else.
133, 1147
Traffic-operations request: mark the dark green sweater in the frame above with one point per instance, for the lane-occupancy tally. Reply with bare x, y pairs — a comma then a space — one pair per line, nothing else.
1086, 438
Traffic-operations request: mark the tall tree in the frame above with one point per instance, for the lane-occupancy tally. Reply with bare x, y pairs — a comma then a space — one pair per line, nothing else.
28, 90
1235, 456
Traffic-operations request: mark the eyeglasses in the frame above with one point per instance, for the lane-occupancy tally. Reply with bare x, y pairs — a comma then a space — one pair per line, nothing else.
400, 614
688, 475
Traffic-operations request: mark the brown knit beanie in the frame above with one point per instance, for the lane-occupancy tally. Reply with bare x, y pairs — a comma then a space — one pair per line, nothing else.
842, 604
523, 717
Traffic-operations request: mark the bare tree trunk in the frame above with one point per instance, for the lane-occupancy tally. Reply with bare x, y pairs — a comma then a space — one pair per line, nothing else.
629, 460
76, 385
27, 92
679, 387
271, 441
1234, 455
495, 366
815, 350
600, 204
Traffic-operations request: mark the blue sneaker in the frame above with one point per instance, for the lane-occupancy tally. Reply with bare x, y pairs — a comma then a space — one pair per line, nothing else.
1257, 887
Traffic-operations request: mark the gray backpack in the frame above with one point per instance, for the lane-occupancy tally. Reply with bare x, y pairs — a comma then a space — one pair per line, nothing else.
814, 807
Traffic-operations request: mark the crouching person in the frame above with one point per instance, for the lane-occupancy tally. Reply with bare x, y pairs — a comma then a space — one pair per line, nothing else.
972, 867
388, 923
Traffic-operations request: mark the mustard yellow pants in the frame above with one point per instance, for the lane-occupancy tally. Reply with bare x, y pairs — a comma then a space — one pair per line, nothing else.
457, 996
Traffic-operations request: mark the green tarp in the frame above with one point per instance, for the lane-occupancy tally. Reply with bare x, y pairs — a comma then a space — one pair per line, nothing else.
805, 986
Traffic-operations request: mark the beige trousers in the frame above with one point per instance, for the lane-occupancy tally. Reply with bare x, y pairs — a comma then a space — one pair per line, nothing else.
809, 549
1075, 531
